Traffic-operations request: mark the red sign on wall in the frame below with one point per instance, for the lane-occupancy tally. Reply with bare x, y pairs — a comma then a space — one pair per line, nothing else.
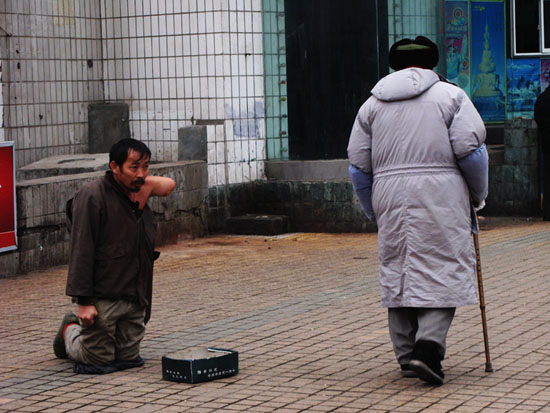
8, 224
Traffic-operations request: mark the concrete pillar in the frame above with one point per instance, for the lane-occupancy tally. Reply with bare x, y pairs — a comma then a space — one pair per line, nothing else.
107, 124
192, 143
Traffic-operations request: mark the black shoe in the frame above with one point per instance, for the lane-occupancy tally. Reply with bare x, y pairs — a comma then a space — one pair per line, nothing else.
426, 362
407, 372
58, 341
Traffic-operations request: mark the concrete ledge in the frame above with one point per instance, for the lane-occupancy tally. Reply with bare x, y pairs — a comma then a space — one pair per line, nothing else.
43, 239
64, 165
321, 170
254, 224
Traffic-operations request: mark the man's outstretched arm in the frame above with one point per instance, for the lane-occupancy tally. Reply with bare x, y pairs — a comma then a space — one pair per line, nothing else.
159, 185
154, 186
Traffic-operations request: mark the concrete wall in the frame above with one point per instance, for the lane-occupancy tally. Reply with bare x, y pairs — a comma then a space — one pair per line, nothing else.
175, 63
41, 224
514, 172
318, 196
312, 206
51, 71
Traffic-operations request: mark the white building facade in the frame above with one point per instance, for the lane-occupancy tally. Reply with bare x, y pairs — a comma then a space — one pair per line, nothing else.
174, 62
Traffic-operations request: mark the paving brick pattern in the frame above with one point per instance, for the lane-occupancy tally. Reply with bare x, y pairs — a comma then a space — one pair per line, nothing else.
303, 311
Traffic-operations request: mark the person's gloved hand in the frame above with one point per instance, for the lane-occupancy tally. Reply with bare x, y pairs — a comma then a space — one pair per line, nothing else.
479, 206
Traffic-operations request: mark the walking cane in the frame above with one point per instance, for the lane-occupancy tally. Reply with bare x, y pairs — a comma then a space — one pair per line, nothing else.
488, 365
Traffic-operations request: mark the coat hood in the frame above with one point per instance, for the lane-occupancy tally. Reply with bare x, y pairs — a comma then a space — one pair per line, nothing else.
405, 84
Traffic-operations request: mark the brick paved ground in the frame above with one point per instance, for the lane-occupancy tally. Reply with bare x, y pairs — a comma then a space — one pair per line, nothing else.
303, 311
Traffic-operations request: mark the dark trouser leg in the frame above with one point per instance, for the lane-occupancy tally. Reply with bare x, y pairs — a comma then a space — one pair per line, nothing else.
129, 333
116, 333
433, 325
430, 346
408, 325
403, 326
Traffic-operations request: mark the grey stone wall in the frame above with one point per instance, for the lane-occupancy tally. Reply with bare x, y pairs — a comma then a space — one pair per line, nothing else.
182, 214
514, 172
330, 205
315, 195
41, 224
312, 206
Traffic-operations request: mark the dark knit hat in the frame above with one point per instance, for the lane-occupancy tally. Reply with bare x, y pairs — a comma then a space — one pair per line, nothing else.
420, 52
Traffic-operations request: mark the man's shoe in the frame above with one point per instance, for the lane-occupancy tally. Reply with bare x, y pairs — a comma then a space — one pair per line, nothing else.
59, 342
407, 372
426, 362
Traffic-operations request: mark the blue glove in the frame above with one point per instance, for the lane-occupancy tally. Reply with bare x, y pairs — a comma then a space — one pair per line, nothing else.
475, 169
362, 185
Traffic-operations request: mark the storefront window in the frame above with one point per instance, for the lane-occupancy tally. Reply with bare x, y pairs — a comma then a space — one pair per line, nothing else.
531, 27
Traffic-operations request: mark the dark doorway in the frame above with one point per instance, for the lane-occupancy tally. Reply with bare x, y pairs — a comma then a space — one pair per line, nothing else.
336, 51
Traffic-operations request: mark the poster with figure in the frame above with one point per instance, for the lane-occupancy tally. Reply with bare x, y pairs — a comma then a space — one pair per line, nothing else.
488, 59
8, 226
456, 42
523, 83
544, 74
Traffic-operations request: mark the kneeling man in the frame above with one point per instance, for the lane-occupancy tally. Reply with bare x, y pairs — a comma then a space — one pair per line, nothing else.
111, 263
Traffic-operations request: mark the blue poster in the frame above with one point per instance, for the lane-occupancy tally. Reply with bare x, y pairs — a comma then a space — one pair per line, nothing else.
488, 59
544, 74
523, 82
456, 41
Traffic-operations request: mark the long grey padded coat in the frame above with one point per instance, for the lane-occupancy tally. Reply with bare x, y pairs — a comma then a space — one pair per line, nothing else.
409, 135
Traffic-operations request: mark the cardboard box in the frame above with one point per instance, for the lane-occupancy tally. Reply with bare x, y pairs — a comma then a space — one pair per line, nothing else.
198, 365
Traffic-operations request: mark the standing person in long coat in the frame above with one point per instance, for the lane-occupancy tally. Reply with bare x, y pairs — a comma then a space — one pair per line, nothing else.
419, 167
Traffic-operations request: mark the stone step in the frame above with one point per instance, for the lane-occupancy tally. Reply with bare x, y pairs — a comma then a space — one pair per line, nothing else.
257, 224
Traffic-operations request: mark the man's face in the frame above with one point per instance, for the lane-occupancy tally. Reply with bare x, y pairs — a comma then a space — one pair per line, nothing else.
131, 176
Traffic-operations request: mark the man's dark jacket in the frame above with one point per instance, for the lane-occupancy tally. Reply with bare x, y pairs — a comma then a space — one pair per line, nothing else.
111, 247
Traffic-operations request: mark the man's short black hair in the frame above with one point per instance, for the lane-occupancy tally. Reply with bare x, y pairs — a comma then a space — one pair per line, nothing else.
119, 151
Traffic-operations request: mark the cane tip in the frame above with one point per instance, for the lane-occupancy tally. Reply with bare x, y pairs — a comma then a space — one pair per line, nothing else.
488, 368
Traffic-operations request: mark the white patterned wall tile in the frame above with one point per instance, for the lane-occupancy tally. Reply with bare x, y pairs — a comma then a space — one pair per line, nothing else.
211, 152
212, 109
240, 170
162, 25
241, 20
210, 133
196, 87
231, 169
230, 151
211, 175
203, 109
259, 87
252, 149
219, 133
239, 151
254, 171
220, 174
220, 152
201, 23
